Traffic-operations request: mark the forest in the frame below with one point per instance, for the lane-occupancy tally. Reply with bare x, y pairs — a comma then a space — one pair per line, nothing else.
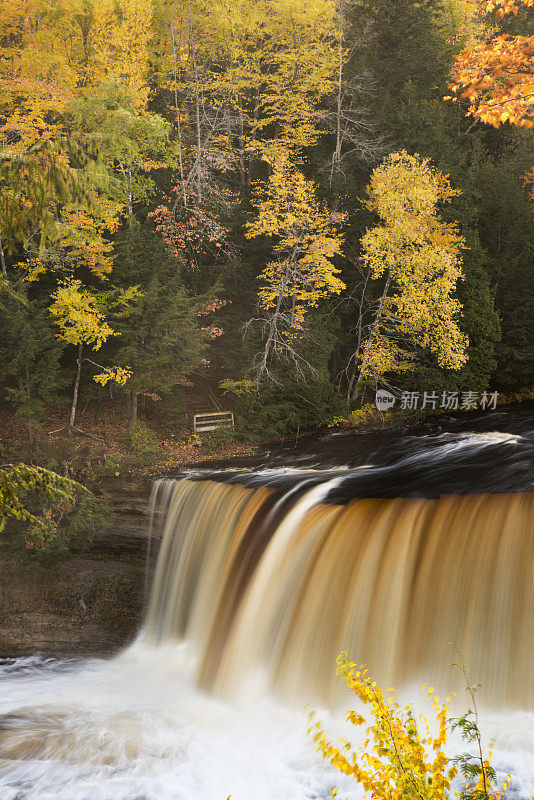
301, 213
292, 202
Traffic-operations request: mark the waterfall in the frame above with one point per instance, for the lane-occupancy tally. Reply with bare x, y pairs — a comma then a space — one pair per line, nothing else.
279, 582
256, 582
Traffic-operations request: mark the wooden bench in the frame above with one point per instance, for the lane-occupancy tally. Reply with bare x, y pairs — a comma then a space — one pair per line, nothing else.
202, 423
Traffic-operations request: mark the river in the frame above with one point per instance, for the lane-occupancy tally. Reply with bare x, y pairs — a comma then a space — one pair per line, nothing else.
395, 548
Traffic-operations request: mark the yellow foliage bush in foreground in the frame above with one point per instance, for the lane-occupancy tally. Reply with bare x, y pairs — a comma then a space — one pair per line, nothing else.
404, 758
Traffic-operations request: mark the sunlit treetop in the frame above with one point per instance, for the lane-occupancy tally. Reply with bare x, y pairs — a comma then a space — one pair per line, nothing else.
305, 241
417, 253
53, 50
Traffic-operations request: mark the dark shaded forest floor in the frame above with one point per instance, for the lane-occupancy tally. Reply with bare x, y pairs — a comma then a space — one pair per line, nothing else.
100, 448
93, 605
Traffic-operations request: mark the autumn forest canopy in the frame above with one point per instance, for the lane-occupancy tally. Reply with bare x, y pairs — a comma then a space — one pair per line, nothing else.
292, 202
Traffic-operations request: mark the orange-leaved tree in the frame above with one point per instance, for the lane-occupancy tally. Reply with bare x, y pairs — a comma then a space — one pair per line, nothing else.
496, 76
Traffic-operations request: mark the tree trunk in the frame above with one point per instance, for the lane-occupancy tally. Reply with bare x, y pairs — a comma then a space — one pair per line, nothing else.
130, 198
360, 335
3, 258
76, 388
336, 158
354, 391
272, 330
133, 411
197, 111
31, 429
178, 121
242, 166
267, 349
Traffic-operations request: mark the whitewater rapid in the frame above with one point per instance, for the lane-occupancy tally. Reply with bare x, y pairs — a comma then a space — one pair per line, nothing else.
136, 728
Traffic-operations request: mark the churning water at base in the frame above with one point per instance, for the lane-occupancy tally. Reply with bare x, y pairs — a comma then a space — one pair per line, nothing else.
137, 728
255, 590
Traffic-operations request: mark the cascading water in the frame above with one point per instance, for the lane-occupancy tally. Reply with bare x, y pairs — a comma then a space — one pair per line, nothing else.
260, 580
249, 578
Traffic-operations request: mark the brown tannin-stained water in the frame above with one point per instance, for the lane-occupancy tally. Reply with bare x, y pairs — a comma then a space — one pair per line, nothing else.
397, 582
258, 579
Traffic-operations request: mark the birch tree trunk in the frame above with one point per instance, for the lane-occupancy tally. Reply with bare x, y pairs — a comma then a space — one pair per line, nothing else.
3, 258
76, 388
336, 157
272, 331
178, 120
197, 110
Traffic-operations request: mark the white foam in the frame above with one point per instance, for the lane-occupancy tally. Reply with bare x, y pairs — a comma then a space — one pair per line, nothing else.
135, 728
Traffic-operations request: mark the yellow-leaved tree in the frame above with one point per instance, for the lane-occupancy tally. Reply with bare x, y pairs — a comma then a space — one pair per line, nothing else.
417, 256
81, 317
120, 37
301, 272
54, 194
240, 72
300, 69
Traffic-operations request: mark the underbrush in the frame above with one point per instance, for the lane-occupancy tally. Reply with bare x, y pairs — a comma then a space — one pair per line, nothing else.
142, 442
360, 416
219, 439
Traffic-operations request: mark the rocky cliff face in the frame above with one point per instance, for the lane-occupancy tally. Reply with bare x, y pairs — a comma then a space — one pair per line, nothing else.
84, 606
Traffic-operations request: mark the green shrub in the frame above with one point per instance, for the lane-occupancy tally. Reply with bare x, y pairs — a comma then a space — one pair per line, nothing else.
338, 422
91, 514
110, 466
141, 441
219, 439
363, 414
43, 539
